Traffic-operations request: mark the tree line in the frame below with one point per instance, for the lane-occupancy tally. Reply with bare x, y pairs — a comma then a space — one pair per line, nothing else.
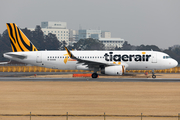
50, 42
173, 51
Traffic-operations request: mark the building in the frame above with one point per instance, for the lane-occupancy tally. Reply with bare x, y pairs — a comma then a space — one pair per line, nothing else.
111, 43
61, 34
54, 25
57, 28
95, 34
105, 34
73, 36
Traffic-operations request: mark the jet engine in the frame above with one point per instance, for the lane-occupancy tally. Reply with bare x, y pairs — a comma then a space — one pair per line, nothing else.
82, 67
114, 70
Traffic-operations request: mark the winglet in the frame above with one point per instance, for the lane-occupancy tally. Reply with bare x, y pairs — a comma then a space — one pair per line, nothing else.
69, 53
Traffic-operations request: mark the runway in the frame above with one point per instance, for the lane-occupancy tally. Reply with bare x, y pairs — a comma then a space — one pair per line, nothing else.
91, 79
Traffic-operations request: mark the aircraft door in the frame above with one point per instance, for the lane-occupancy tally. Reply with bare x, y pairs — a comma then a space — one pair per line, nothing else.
154, 57
39, 57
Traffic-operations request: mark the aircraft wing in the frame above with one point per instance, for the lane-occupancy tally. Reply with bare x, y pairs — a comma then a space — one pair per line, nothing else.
90, 63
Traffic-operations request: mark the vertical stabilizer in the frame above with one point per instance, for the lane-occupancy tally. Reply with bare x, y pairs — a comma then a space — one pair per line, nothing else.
19, 41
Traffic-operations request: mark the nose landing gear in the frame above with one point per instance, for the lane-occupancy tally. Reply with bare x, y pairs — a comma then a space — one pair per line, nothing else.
153, 74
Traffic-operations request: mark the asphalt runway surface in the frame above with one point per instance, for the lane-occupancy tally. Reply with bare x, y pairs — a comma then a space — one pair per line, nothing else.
18, 76
92, 79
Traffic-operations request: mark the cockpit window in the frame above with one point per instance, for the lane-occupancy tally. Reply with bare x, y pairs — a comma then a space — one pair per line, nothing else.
166, 57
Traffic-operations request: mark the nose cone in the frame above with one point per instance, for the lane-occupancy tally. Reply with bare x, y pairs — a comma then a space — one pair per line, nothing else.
174, 63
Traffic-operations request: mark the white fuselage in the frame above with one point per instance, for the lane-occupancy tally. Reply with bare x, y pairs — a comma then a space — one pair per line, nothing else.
133, 60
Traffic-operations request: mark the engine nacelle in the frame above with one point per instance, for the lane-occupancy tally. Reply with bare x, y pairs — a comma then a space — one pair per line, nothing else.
114, 70
82, 67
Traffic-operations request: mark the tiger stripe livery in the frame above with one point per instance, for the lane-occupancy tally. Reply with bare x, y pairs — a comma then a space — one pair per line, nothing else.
19, 41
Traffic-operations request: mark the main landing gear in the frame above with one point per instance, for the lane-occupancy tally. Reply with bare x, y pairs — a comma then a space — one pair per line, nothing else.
94, 75
153, 74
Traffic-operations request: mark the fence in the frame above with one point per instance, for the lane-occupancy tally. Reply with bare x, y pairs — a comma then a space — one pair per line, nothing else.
33, 69
87, 117
172, 70
42, 69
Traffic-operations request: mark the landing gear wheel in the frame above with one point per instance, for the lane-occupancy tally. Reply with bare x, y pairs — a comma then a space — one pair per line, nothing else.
94, 75
153, 76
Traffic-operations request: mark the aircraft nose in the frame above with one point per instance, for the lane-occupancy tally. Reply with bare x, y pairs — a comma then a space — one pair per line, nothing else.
174, 63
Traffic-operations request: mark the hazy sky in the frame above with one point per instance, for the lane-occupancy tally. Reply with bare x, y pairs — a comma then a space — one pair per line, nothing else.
152, 22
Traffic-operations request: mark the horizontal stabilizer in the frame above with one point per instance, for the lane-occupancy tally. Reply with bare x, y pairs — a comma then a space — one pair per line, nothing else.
1, 63
17, 56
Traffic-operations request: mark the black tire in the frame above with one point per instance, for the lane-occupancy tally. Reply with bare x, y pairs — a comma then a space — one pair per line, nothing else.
94, 75
153, 76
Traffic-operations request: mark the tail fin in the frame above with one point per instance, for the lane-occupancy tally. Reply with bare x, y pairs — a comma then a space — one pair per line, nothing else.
19, 41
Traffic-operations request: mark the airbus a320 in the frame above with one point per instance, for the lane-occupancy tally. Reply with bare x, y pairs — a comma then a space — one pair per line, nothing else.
107, 62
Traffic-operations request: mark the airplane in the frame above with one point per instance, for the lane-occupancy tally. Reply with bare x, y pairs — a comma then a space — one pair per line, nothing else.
107, 62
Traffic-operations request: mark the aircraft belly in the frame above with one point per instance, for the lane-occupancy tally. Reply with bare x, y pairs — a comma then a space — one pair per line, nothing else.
140, 66
68, 66
60, 65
